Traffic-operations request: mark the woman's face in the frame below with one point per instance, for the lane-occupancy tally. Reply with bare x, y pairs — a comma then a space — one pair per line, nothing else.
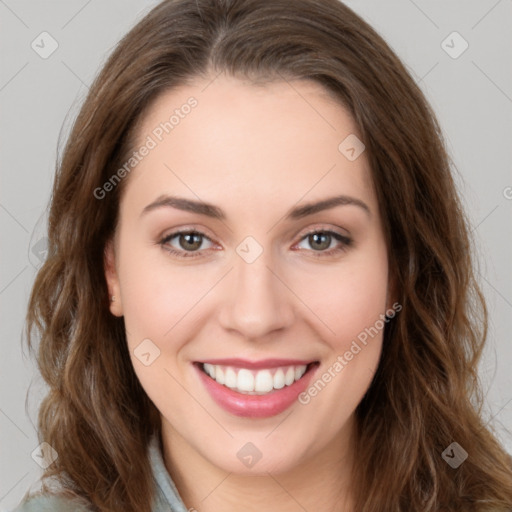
280, 268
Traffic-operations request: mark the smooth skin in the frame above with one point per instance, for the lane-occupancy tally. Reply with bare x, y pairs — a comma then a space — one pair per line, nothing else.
255, 152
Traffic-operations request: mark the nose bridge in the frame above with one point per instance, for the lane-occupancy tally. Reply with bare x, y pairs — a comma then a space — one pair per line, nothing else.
258, 301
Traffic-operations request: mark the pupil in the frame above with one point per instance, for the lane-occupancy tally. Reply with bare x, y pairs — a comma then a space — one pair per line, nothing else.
190, 243
317, 239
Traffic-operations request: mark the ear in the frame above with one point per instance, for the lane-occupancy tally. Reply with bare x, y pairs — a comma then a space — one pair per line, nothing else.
111, 276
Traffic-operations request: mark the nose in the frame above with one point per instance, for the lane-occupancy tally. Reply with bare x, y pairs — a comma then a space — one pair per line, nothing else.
259, 303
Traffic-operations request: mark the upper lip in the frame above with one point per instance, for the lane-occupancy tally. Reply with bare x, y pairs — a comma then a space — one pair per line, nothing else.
256, 365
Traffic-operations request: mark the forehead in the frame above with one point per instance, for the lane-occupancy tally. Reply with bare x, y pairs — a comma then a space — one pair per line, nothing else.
226, 139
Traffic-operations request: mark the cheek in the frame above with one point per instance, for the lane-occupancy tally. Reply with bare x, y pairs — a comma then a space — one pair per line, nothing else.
156, 294
158, 301
353, 308
348, 298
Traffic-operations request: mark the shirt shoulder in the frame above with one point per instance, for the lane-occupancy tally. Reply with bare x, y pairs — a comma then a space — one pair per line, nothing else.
51, 503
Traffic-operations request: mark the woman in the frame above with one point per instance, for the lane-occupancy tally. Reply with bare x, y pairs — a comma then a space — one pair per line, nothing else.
259, 291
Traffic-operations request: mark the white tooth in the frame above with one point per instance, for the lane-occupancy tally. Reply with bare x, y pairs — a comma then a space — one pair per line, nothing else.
300, 371
264, 381
219, 375
279, 379
289, 378
245, 381
210, 370
230, 378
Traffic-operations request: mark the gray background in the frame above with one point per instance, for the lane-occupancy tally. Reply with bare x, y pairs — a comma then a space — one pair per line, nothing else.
471, 94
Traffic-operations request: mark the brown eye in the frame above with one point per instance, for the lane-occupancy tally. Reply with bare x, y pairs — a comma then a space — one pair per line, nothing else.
320, 241
190, 241
326, 242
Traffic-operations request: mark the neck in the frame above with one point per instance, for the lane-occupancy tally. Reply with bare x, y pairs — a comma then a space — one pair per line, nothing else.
320, 482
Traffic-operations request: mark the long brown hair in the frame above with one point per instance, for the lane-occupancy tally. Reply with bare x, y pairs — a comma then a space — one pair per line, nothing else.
425, 394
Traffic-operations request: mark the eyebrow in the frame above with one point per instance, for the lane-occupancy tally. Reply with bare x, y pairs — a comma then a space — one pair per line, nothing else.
210, 210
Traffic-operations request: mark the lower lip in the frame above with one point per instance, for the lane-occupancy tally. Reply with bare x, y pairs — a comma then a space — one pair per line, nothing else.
255, 406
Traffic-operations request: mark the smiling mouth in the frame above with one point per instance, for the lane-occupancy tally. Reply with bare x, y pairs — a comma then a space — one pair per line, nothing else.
262, 381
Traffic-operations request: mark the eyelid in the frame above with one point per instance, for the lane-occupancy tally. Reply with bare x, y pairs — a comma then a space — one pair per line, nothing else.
344, 241
187, 229
323, 229
201, 231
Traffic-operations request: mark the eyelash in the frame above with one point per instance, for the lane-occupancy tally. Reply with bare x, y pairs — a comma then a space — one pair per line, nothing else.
344, 241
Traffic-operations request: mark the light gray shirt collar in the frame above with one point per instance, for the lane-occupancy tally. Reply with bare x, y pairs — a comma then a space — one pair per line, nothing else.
167, 498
